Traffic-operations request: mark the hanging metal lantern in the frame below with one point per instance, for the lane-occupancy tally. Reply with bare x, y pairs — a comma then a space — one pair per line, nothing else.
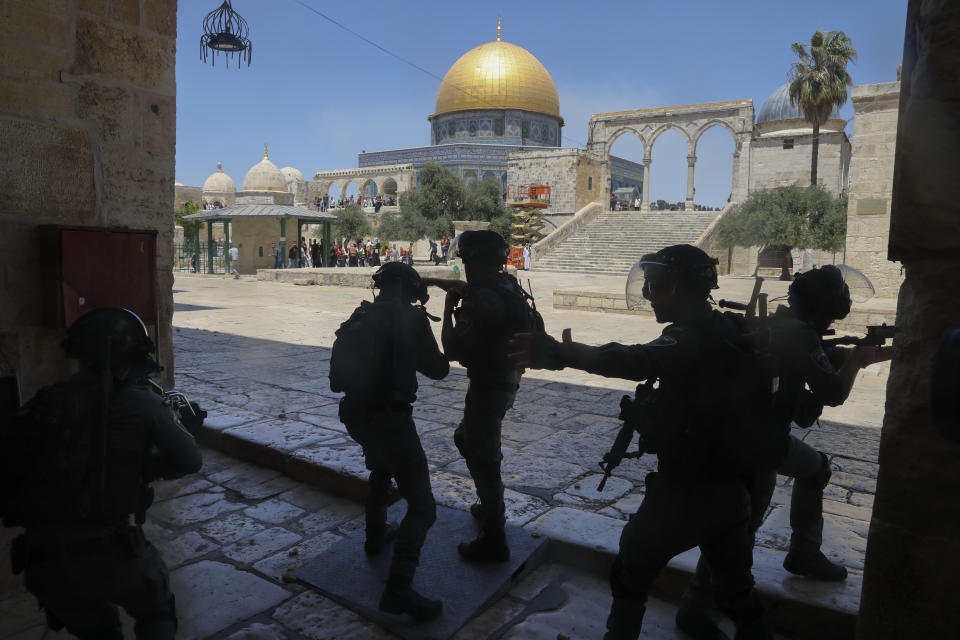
225, 31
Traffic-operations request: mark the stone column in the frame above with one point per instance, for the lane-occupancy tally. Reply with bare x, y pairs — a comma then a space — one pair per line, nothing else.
605, 183
645, 200
912, 566
691, 161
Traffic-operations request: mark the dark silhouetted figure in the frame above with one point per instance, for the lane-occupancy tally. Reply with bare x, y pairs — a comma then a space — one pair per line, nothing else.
809, 378
492, 307
76, 465
393, 336
694, 422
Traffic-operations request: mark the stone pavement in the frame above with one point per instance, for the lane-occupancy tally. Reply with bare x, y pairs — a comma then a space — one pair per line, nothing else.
232, 533
255, 354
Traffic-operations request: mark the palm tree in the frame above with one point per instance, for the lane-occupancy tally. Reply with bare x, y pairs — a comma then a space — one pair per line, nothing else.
819, 81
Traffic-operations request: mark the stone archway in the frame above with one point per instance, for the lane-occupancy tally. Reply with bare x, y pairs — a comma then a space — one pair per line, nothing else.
692, 121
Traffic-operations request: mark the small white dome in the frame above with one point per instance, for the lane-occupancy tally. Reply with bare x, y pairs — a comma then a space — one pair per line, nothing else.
219, 182
264, 176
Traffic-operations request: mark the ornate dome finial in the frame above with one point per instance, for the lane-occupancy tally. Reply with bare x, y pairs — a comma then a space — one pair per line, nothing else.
265, 154
219, 166
498, 27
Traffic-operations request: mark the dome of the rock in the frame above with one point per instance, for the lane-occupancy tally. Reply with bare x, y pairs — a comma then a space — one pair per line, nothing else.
498, 75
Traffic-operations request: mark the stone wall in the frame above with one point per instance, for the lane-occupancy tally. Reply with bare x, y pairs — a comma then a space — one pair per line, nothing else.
182, 193
871, 185
573, 176
912, 568
253, 234
87, 128
773, 166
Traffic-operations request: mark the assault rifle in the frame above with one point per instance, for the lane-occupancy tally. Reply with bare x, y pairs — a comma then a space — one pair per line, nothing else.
876, 336
757, 307
190, 413
444, 283
612, 459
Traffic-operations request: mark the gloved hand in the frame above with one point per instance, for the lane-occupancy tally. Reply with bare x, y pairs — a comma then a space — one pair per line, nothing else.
535, 351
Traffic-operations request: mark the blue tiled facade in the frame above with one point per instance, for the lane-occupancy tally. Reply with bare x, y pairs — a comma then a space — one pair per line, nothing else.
496, 126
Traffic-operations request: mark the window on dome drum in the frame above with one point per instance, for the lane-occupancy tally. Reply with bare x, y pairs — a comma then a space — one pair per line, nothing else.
788, 143
261, 252
589, 183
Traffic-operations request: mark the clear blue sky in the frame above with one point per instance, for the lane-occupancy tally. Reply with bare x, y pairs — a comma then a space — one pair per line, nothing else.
319, 95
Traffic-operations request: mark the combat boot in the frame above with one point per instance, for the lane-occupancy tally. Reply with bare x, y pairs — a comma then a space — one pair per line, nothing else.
399, 597
487, 547
813, 564
379, 537
625, 620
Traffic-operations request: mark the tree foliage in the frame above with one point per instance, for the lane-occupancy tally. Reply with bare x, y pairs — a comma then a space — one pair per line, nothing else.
442, 197
794, 216
819, 81
353, 223
189, 226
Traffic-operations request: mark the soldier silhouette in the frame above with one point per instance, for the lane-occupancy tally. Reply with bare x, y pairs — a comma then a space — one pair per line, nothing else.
76, 463
395, 337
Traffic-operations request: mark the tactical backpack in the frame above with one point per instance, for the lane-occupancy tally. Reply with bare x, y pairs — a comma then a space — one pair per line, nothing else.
362, 357
47, 458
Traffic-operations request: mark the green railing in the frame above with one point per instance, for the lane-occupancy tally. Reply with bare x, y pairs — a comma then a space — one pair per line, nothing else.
192, 258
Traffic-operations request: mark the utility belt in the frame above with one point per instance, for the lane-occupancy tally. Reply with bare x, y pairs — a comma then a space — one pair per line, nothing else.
25, 551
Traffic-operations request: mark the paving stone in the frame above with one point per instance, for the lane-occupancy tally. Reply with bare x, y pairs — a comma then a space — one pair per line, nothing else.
242, 473
194, 508
499, 615
281, 435
458, 492
521, 433
590, 423
439, 447
212, 595
334, 512
844, 539
306, 497
624, 507
864, 500
538, 579
274, 511
220, 417
437, 413
531, 470
341, 456
318, 419
267, 489
580, 528
260, 545
276, 565
586, 488
574, 448
258, 631
235, 526
176, 551
166, 489
319, 618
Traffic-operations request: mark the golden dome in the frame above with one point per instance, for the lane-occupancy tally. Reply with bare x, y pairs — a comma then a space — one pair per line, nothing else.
498, 75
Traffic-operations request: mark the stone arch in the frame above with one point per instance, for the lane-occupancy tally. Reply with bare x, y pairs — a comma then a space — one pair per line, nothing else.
691, 120
389, 182
612, 139
702, 129
659, 131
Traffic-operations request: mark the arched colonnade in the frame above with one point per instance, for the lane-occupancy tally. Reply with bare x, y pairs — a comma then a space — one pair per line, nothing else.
691, 121
385, 179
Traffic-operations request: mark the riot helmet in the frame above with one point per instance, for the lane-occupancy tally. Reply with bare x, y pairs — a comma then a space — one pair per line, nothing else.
682, 266
480, 246
108, 337
410, 281
820, 295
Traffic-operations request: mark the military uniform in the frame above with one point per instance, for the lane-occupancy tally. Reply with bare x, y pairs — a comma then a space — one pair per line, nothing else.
81, 568
383, 425
490, 312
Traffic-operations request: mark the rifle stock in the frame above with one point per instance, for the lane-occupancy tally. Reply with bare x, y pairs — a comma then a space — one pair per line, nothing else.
876, 336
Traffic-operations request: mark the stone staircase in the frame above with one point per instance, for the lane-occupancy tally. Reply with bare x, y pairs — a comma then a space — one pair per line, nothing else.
616, 240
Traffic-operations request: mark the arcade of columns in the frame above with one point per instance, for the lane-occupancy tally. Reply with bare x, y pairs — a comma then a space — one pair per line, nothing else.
691, 121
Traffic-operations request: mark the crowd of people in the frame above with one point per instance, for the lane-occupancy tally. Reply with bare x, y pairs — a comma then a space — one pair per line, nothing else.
326, 202
354, 253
